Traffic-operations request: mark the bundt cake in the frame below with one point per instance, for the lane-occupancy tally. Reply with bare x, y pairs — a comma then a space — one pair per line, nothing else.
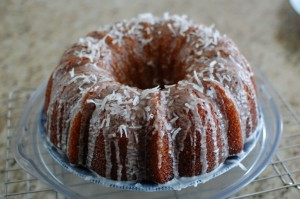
151, 99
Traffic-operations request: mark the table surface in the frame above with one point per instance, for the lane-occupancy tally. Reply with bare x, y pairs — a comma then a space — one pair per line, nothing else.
34, 34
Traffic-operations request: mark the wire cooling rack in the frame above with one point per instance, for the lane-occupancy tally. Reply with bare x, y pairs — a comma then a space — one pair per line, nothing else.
281, 178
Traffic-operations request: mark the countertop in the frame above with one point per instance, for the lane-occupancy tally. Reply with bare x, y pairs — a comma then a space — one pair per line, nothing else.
34, 34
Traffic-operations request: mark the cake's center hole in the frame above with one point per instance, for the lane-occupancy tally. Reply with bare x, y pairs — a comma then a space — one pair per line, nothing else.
151, 74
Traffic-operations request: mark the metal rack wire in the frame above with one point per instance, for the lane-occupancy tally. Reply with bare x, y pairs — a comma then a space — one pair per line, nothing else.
281, 177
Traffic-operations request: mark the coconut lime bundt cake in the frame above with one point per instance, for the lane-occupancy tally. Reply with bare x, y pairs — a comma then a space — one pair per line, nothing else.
151, 99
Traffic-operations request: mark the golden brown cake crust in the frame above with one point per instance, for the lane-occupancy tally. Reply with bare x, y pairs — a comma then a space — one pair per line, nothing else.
151, 99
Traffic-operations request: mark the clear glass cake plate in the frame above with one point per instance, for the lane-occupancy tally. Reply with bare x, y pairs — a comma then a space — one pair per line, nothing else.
32, 153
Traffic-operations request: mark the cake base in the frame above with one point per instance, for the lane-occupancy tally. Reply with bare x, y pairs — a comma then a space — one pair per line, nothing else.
174, 184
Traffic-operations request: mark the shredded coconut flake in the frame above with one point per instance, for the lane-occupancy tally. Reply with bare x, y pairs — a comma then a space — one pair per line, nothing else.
175, 132
197, 78
213, 63
188, 106
135, 101
123, 129
72, 73
174, 119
